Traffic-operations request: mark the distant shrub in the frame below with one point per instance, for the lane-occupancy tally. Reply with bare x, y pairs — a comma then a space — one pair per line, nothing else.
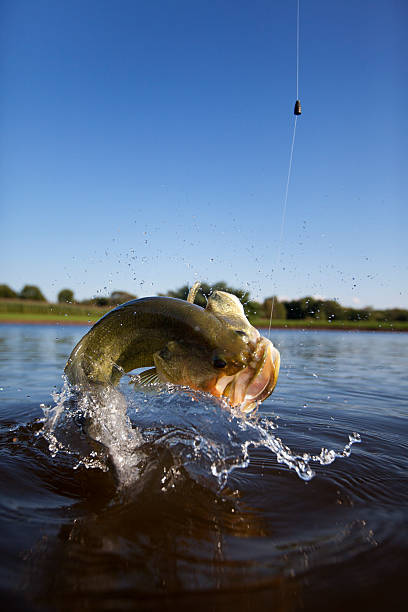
32, 292
358, 314
279, 310
396, 314
101, 300
119, 297
66, 296
7, 292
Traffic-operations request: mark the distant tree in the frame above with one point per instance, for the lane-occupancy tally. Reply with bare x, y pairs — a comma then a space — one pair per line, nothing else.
182, 293
331, 310
306, 307
119, 297
396, 314
7, 292
279, 310
379, 315
252, 307
310, 307
101, 300
357, 314
66, 296
32, 292
295, 309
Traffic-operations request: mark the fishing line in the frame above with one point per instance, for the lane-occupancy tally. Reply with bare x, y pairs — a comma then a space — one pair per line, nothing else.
285, 202
297, 51
297, 111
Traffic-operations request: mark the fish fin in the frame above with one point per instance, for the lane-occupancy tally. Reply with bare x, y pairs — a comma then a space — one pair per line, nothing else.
147, 378
193, 292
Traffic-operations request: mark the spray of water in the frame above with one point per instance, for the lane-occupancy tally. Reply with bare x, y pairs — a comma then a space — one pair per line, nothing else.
202, 435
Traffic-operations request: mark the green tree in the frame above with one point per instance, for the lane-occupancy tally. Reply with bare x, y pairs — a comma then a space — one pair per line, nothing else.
279, 310
7, 292
66, 296
32, 292
355, 314
331, 310
311, 307
295, 309
182, 293
101, 300
306, 307
119, 297
396, 314
379, 315
252, 307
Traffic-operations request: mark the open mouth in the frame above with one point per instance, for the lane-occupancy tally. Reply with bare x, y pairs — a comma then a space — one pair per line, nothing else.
256, 382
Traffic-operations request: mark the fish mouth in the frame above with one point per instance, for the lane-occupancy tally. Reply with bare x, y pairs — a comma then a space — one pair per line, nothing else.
255, 383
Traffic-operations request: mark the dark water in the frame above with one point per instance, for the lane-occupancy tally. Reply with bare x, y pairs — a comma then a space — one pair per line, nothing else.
196, 508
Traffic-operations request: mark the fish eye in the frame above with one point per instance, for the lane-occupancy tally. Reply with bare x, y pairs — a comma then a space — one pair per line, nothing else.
241, 333
219, 363
165, 353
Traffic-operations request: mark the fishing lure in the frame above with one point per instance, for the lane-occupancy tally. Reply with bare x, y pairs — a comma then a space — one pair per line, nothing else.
298, 108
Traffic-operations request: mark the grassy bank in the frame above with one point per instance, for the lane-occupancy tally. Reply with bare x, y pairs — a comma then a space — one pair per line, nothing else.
22, 311
72, 319
318, 324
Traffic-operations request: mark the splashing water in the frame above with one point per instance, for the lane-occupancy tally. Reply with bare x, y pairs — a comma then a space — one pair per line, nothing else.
94, 429
201, 435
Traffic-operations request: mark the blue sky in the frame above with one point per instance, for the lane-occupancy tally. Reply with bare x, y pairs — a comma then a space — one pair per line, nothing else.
145, 144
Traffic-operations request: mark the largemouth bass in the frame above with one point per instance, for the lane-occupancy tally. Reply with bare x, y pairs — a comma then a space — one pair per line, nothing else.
215, 349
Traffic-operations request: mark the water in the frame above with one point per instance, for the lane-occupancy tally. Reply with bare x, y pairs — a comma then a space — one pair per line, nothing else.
194, 506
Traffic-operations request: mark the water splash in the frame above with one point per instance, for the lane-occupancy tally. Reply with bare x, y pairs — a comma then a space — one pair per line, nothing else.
94, 429
201, 436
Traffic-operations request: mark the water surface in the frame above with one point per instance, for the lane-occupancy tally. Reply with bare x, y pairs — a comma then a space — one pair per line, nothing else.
194, 506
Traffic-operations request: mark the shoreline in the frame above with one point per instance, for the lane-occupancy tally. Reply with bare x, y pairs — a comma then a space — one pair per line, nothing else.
61, 323
44, 322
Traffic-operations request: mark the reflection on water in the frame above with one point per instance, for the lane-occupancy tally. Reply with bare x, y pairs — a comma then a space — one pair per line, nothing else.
185, 512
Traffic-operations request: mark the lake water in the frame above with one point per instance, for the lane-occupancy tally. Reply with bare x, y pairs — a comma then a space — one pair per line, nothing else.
197, 508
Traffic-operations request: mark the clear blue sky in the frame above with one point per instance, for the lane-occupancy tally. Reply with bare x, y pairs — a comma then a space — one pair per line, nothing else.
145, 144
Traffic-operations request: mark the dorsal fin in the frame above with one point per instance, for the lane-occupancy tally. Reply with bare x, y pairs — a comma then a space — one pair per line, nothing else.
193, 292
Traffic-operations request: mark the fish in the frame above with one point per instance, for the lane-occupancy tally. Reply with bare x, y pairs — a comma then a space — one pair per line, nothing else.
257, 381
213, 349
